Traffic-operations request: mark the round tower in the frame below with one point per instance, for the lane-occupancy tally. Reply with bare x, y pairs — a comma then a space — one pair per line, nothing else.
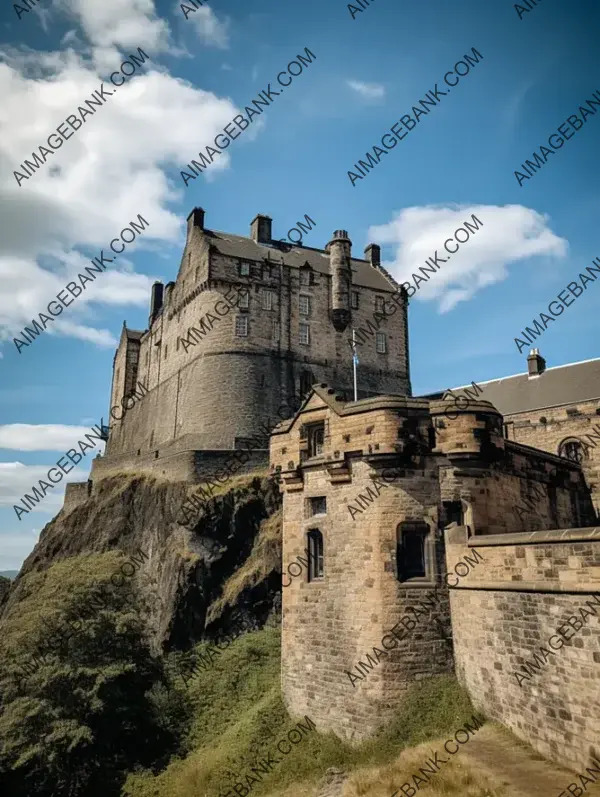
341, 279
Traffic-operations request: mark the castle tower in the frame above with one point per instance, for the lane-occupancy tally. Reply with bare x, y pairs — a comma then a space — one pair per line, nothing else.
341, 279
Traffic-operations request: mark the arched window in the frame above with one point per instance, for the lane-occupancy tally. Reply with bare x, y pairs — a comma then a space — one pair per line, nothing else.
315, 554
412, 551
572, 448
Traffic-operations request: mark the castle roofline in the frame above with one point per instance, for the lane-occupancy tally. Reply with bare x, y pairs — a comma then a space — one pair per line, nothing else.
554, 387
344, 408
364, 274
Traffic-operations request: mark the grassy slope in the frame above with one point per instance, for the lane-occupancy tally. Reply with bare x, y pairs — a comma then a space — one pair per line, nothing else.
239, 717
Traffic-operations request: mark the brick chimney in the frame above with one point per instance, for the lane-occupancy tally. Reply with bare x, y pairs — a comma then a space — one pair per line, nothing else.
195, 219
260, 229
536, 364
373, 254
156, 301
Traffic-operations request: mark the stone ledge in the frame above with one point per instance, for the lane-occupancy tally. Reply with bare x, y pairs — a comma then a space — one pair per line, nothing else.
588, 534
529, 586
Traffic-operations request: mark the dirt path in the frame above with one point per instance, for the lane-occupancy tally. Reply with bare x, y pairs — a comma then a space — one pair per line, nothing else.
521, 770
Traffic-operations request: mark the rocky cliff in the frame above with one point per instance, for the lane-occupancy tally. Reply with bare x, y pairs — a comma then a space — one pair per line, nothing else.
193, 580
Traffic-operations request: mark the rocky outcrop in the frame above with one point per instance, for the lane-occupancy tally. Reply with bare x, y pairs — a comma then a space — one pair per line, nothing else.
183, 572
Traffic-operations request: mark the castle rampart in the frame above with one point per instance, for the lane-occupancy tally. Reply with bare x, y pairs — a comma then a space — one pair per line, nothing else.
533, 608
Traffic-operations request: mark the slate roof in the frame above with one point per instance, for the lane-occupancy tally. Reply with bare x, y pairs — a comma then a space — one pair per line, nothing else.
562, 384
134, 334
363, 273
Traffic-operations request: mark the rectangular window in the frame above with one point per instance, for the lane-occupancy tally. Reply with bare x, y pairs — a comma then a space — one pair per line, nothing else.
244, 269
318, 506
275, 330
244, 301
315, 554
166, 347
304, 305
305, 334
316, 436
379, 304
411, 550
266, 272
355, 300
241, 326
380, 343
267, 300
305, 276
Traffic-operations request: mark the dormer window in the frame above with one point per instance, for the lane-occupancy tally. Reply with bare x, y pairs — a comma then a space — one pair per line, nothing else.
244, 269
379, 301
305, 276
316, 437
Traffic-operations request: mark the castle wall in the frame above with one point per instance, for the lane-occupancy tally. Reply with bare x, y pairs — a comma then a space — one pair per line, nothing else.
76, 493
329, 625
509, 608
177, 464
574, 420
507, 486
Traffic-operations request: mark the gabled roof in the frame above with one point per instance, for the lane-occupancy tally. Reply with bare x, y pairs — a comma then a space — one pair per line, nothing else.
134, 334
562, 384
363, 273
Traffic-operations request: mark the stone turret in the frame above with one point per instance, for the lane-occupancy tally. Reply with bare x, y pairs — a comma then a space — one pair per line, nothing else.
341, 278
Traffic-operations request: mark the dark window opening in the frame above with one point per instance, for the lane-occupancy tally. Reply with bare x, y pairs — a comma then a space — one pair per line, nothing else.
454, 512
410, 550
315, 552
573, 450
307, 380
318, 506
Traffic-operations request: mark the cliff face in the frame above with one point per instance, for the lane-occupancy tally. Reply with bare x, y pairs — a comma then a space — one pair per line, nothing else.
182, 572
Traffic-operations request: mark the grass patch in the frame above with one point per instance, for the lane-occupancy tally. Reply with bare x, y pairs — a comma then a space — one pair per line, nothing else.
239, 717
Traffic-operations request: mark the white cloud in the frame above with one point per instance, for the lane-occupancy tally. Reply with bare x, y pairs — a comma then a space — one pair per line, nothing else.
99, 180
42, 437
16, 479
371, 91
16, 546
115, 23
210, 29
509, 234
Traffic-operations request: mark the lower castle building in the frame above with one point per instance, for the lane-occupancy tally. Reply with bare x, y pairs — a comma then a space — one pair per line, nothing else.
432, 543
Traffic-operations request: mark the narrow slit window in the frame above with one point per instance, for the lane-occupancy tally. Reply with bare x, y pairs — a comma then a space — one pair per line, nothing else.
315, 553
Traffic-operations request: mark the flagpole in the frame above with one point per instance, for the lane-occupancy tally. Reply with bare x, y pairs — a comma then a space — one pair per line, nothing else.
354, 361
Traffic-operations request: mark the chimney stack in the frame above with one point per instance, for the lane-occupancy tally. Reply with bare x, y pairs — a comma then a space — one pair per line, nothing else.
535, 363
156, 301
260, 229
373, 254
195, 219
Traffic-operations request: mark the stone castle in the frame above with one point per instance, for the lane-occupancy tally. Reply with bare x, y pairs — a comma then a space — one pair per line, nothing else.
489, 502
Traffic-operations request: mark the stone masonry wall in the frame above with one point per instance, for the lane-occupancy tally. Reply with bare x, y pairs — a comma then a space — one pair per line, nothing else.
580, 420
330, 624
76, 493
519, 601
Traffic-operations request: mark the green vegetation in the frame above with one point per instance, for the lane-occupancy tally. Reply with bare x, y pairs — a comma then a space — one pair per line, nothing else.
239, 717
92, 707
99, 716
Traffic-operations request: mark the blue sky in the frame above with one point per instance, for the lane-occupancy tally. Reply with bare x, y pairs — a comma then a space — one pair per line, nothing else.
368, 72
